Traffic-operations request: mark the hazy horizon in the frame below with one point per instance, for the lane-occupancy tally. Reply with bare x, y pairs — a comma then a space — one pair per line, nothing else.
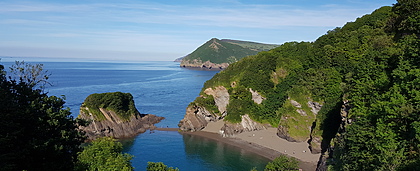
160, 30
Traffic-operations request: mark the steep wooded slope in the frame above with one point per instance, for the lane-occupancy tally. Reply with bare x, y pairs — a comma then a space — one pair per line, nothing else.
356, 88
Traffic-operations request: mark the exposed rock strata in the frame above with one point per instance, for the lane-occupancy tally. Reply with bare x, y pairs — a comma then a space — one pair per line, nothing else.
345, 108
114, 126
221, 97
256, 97
301, 121
199, 64
246, 125
196, 118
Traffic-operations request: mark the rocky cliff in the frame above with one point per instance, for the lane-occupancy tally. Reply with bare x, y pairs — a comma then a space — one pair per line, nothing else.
297, 125
199, 64
197, 116
107, 122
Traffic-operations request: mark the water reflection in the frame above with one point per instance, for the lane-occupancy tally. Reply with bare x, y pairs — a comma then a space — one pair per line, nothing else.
221, 156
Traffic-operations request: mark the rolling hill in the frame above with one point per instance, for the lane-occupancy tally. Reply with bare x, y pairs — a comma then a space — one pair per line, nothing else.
217, 54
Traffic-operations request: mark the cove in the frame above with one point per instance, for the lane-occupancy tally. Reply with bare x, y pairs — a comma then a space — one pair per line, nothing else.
160, 88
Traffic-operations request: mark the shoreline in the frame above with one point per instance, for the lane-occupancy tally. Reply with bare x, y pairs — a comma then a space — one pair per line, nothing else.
256, 147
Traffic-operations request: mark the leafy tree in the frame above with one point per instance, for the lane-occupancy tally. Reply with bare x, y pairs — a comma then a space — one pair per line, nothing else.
159, 166
29, 73
37, 133
104, 154
282, 163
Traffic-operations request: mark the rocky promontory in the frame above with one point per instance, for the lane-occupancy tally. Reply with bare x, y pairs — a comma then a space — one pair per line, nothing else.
114, 115
218, 54
198, 116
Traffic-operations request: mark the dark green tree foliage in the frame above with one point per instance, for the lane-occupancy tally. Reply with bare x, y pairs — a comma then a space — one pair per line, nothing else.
159, 166
37, 132
373, 63
385, 95
104, 154
240, 103
282, 163
121, 103
206, 101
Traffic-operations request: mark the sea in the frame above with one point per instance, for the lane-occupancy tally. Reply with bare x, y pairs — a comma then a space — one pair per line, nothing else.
159, 88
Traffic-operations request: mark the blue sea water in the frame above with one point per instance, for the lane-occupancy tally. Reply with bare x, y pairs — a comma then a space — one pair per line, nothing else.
160, 88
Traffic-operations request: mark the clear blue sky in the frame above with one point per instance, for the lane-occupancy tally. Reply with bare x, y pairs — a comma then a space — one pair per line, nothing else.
162, 30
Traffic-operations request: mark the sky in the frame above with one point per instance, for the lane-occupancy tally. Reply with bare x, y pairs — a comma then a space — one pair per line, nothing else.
162, 30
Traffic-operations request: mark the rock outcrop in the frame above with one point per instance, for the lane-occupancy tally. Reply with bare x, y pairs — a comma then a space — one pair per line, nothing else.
246, 125
298, 126
115, 127
196, 118
207, 65
221, 97
106, 122
256, 97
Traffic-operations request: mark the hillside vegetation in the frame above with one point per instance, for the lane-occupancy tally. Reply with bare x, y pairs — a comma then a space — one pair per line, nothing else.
224, 51
372, 65
120, 103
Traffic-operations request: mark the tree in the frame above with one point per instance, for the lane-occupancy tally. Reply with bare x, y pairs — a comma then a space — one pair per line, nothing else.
104, 154
282, 163
159, 166
37, 133
31, 74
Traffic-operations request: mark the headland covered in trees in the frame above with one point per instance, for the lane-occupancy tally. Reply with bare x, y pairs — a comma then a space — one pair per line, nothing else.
352, 95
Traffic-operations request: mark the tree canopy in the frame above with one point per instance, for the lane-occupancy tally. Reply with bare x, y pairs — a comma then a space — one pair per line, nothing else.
37, 133
104, 154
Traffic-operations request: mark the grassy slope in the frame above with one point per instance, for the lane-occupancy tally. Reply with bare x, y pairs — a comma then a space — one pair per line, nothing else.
226, 51
252, 45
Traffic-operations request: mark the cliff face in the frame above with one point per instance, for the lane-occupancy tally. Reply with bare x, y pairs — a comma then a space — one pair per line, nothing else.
298, 125
197, 117
111, 124
199, 64
246, 125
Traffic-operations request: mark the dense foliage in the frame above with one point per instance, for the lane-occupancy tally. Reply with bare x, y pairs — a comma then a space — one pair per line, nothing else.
37, 132
121, 103
226, 51
159, 166
282, 163
372, 63
104, 154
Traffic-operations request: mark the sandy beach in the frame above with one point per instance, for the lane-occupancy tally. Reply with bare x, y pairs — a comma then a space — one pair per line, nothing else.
264, 143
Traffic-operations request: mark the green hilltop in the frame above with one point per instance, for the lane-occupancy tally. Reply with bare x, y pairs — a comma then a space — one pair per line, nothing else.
120, 103
217, 52
366, 76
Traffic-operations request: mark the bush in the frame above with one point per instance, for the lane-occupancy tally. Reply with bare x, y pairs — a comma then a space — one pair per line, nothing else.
282, 163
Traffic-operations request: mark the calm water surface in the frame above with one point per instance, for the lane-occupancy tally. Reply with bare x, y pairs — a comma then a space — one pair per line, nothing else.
160, 88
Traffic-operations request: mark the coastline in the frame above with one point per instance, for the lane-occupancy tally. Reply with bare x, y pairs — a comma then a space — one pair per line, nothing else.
263, 143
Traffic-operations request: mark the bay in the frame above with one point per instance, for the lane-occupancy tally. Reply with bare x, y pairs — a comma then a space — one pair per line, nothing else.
160, 88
